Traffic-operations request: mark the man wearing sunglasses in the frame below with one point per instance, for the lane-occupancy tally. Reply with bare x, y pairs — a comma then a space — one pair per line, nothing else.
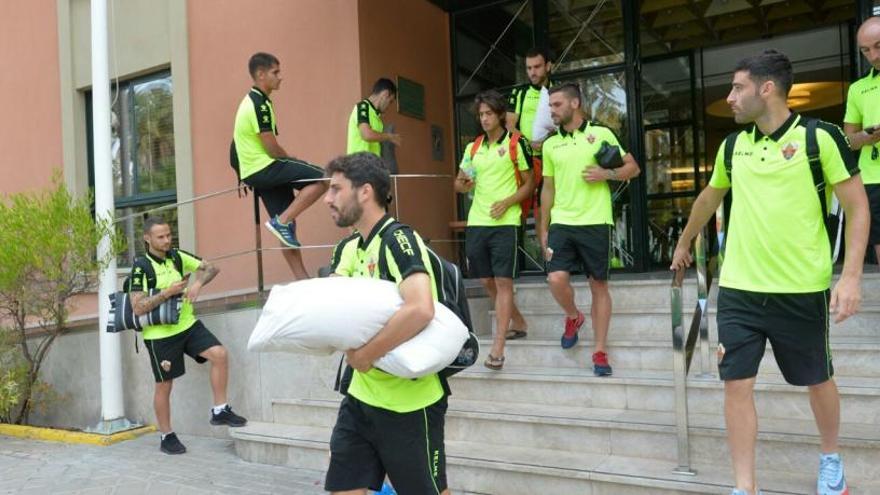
862, 123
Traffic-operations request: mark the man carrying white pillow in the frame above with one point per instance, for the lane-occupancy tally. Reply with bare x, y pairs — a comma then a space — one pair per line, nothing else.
386, 424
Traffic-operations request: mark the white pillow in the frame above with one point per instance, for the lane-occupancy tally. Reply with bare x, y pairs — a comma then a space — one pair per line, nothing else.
542, 126
324, 315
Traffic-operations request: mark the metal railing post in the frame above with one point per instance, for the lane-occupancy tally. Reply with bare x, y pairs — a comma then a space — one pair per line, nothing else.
258, 240
679, 372
703, 282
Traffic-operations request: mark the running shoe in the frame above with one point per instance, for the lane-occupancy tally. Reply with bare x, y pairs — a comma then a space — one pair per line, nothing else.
171, 445
572, 325
227, 417
600, 364
286, 233
831, 478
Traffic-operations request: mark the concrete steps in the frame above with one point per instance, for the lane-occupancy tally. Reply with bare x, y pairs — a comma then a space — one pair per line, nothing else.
655, 322
853, 356
546, 425
512, 470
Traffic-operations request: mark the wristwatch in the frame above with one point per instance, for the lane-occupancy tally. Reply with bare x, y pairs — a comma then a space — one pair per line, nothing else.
612, 173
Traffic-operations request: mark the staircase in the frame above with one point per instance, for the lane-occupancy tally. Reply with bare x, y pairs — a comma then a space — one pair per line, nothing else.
546, 425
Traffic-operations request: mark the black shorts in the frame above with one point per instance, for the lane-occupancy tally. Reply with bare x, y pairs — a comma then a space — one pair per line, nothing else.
795, 324
873, 192
491, 251
192, 342
275, 183
369, 442
586, 247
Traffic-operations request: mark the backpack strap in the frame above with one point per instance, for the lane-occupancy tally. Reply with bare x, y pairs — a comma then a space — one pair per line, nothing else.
816, 164
513, 152
478, 141
729, 146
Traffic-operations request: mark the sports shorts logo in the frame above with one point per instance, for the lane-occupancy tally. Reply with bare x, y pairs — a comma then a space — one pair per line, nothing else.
789, 150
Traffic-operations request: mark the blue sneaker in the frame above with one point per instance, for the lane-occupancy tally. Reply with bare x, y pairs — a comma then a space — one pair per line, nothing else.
386, 490
572, 325
831, 479
285, 233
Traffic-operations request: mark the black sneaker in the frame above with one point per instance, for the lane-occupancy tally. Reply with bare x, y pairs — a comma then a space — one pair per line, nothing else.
171, 445
227, 417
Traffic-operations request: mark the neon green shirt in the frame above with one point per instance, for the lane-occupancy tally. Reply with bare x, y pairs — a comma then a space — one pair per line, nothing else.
255, 115
523, 101
863, 108
364, 113
494, 179
359, 257
166, 274
777, 242
566, 155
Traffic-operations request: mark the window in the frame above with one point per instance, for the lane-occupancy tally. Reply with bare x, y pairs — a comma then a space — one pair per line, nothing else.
142, 152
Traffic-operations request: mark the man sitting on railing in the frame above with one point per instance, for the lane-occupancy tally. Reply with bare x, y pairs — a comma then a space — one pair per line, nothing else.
777, 260
267, 167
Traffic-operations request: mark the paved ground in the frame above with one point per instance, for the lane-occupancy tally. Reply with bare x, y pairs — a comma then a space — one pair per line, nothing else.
137, 467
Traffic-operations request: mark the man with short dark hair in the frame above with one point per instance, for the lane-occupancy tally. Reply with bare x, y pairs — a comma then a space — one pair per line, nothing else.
161, 273
386, 424
777, 259
576, 217
267, 167
489, 167
862, 123
365, 126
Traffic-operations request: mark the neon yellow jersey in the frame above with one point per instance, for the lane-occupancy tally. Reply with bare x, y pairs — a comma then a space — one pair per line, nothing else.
776, 239
566, 156
355, 256
166, 274
255, 115
494, 179
364, 113
523, 101
863, 108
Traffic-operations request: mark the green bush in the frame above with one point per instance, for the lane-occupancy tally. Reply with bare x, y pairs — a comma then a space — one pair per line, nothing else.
48, 244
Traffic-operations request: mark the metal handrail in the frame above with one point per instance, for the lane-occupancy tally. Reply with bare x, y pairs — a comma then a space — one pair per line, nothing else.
683, 345
258, 244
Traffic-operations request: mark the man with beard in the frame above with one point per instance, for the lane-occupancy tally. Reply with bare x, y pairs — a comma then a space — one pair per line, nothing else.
777, 260
386, 424
576, 216
161, 273
862, 123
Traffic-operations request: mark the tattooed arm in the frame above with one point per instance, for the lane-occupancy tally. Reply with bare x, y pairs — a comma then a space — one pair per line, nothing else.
204, 274
142, 303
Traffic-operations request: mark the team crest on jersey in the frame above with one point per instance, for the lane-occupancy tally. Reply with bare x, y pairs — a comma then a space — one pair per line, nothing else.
371, 266
591, 138
789, 150
501, 151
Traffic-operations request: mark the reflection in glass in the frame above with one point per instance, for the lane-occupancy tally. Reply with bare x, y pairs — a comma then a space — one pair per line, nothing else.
666, 91
669, 162
153, 132
666, 221
597, 43
475, 34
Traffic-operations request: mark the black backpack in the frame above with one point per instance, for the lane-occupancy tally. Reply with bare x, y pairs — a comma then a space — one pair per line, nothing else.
833, 217
233, 162
450, 292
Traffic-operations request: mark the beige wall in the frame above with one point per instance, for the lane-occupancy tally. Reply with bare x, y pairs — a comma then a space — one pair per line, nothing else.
30, 133
317, 44
410, 38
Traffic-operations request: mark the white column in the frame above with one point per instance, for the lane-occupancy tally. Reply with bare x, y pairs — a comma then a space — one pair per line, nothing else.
111, 357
